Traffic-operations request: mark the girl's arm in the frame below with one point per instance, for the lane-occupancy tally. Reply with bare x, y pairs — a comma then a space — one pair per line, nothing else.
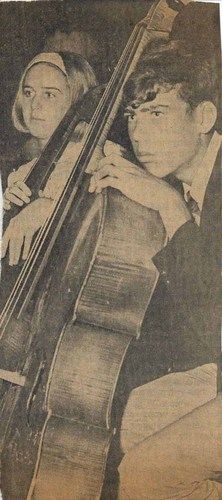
17, 192
19, 234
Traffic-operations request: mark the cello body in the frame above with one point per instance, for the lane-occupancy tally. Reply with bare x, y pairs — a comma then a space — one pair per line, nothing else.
59, 435
93, 293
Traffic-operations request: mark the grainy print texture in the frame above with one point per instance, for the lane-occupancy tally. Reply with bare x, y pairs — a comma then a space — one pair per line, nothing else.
110, 305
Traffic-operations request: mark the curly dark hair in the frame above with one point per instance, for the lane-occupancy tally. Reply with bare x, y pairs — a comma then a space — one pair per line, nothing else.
165, 64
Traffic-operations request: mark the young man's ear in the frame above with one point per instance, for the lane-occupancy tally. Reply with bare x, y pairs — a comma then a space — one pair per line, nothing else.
206, 116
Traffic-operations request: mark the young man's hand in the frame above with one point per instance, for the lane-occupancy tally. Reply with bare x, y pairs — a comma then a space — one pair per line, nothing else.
143, 188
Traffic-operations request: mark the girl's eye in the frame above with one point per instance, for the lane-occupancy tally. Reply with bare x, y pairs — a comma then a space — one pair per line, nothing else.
28, 92
49, 95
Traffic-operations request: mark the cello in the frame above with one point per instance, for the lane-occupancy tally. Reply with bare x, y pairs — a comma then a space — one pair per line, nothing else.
57, 412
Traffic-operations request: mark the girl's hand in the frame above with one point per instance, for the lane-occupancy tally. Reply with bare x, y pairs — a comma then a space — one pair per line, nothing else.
17, 193
18, 236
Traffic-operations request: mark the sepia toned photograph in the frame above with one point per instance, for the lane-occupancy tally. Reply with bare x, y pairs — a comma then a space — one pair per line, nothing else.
110, 288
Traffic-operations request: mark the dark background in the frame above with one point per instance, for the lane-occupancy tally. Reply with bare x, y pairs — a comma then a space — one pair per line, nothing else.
97, 29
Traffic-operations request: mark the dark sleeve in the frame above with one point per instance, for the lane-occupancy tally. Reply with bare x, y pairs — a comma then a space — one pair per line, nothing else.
192, 274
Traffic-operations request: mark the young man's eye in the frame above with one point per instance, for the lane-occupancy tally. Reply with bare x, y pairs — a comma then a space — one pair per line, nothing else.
128, 115
156, 113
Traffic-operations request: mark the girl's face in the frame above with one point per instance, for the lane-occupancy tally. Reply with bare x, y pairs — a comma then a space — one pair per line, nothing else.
45, 99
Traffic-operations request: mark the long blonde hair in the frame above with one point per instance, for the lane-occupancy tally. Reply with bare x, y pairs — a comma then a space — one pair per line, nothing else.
80, 78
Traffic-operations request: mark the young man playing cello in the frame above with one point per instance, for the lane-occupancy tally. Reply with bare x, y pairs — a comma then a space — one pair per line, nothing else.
171, 107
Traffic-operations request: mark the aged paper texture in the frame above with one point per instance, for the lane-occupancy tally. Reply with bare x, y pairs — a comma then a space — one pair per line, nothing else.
110, 305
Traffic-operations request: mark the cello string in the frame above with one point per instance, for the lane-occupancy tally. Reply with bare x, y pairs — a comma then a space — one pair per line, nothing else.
47, 226
107, 91
113, 76
45, 229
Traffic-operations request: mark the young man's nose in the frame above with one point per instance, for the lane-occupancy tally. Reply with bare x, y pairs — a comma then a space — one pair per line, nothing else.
138, 130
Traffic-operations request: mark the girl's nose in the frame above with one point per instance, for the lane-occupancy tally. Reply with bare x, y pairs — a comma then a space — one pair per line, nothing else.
36, 102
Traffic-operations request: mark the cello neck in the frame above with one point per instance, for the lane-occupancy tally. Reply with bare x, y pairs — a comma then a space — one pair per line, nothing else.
158, 21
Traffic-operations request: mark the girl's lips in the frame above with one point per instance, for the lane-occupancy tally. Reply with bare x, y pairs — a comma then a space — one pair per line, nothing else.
38, 119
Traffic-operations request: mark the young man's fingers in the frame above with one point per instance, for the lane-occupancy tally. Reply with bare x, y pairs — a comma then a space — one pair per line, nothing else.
113, 148
99, 174
112, 171
109, 182
119, 161
108, 170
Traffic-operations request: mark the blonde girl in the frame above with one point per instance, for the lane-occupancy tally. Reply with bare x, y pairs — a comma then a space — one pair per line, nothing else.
49, 84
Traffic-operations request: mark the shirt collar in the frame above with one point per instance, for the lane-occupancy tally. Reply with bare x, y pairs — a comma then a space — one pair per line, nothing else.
198, 187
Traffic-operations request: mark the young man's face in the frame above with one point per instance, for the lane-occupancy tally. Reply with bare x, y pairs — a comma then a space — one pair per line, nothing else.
164, 134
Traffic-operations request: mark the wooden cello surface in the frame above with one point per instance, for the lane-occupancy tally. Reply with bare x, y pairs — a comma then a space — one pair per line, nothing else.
80, 361
98, 282
42, 168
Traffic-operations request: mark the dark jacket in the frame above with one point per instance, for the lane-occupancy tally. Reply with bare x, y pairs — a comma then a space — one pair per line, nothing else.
182, 326
191, 265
